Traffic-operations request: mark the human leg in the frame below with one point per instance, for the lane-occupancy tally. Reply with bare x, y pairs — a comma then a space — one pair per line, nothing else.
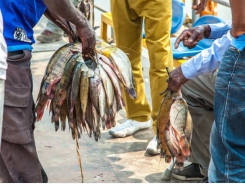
158, 20
2, 84
51, 33
157, 29
199, 94
18, 152
227, 145
128, 28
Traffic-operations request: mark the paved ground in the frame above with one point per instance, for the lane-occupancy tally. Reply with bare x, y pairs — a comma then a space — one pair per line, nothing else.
109, 160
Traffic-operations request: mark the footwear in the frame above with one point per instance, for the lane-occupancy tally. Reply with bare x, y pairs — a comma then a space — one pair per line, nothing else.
152, 147
129, 127
204, 180
47, 37
188, 173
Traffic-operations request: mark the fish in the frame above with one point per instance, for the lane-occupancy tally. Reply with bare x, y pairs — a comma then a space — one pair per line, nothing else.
89, 117
52, 61
63, 115
96, 123
102, 102
57, 63
108, 86
175, 152
115, 82
79, 117
65, 80
107, 61
75, 85
94, 82
178, 119
84, 88
162, 121
40, 107
123, 65
114, 111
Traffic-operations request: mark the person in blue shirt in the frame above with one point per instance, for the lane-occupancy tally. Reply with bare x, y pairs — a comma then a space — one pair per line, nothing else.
18, 157
227, 145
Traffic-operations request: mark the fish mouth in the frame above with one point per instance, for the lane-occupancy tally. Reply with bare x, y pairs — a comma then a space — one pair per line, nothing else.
132, 93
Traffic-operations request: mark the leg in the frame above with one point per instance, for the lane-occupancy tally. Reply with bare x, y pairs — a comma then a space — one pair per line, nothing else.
51, 33
2, 84
199, 94
18, 155
157, 28
227, 144
128, 28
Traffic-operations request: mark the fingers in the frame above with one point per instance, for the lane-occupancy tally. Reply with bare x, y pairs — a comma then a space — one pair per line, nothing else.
88, 45
199, 7
194, 4
182, 37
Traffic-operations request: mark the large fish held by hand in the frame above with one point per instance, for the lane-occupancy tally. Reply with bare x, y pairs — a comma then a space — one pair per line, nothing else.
174, 128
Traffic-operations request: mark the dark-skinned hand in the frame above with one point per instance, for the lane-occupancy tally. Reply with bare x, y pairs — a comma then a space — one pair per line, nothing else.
176, 80
199, 6
190, 37
87, 36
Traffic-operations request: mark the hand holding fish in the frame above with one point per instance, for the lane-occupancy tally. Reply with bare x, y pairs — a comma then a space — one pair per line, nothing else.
176, 80
87, 36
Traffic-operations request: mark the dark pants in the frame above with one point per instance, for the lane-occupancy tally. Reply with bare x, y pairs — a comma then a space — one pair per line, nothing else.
199, 94
18, 158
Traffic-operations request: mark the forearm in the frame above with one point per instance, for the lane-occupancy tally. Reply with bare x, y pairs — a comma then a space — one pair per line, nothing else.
238, 17
218, 30
208, 60
66, 10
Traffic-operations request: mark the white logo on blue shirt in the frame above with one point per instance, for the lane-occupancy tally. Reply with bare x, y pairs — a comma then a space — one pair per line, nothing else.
20, 34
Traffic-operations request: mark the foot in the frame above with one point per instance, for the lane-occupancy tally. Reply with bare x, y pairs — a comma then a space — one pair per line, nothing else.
47, 37
128, 128
152, 147
188, 173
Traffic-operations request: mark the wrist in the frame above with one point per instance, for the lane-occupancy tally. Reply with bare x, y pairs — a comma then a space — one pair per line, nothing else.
207, 31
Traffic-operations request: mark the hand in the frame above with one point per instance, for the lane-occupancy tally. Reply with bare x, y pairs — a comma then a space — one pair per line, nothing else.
176, 80
199, 7
190, 37
87, 36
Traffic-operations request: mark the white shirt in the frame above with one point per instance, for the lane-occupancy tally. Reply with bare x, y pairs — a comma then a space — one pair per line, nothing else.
209, 59
3, 51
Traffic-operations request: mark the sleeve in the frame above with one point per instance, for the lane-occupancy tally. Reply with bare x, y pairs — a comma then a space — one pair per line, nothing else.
3, 51
208, 60
220, 29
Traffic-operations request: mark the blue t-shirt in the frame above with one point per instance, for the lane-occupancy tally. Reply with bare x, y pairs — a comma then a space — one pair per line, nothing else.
19, 18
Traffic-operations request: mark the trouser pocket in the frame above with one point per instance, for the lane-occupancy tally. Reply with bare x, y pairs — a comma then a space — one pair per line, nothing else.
18, 116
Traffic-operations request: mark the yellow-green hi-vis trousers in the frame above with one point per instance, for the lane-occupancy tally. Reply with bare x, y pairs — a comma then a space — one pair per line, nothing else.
127, 16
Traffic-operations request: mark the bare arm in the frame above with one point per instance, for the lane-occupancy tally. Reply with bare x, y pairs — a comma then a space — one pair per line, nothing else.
238, 17
66, 10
